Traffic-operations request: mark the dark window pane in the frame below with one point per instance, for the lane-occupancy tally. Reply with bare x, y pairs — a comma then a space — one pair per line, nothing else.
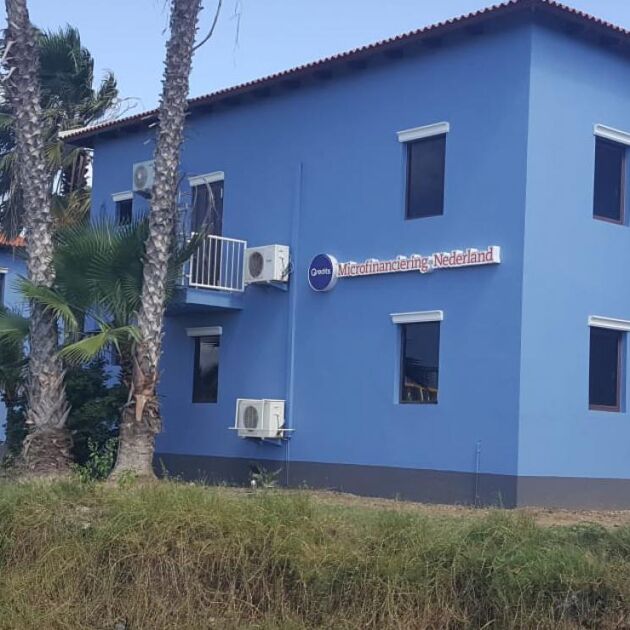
206, 377
609, 180
420, 362
604, 366
207, 208
425, 177
124, 211
207, 213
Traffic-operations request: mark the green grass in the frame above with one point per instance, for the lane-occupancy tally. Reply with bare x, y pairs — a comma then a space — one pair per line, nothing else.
181, 556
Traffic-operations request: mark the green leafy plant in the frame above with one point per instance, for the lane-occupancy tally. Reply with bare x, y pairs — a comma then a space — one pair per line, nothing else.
100, 460
94, 414
260, 477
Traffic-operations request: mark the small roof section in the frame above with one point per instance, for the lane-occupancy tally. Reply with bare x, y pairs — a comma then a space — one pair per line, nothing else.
579, 22
18, 241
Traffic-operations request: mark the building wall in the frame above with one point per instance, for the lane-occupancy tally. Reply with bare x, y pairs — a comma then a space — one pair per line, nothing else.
11, 260
321, 169
575, 266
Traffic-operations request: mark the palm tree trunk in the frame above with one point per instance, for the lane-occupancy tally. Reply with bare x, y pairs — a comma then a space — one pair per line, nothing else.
141, 419
47, 446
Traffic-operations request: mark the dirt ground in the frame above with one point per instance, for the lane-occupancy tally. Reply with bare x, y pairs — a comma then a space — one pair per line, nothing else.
543, 516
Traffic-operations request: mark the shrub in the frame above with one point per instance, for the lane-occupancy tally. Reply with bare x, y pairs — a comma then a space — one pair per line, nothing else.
94, 411
100, 461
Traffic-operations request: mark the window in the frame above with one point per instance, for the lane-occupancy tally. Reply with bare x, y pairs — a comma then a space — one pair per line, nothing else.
420, 353
207, 213
3, 277
425, 177
605, 369
206, 375
124, 211
207, 206
609, 202
124, 207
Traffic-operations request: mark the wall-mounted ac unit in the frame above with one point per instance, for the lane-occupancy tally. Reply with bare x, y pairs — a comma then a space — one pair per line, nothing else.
269, 263
143, 175
259, 418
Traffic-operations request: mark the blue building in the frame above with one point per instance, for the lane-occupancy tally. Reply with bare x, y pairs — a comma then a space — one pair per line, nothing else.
444, 306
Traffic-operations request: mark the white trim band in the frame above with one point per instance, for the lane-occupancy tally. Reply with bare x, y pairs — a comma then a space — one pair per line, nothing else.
208, 178
123, 196
417, 317
207, 331
609, 133
437, 129
4, 270
609, 322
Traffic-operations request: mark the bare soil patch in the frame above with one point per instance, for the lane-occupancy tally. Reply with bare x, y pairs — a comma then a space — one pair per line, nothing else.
542, 516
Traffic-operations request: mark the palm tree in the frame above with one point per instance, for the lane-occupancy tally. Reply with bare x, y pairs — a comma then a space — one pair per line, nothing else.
98, 278
47, 447
68, 100
141, 419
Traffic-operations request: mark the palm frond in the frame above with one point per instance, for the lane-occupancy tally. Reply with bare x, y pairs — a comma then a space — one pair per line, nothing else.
52, 302
94, 345
70, 98
13, 328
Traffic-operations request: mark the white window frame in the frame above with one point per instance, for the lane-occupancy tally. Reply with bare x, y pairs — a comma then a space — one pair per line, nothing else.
207, 178
612, 323
417, 317
125, 195
205, 331
610, 133
426, 131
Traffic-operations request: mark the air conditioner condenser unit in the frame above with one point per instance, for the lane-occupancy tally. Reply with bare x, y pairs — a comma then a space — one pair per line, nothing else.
259, 418
269, 263
143, 176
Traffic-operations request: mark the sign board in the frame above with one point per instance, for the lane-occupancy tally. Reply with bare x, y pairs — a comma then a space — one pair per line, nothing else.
324, 270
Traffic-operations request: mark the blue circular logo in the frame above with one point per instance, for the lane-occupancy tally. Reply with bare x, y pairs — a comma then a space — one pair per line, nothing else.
322, 272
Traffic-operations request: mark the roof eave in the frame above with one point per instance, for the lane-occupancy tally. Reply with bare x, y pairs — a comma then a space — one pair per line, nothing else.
608, 33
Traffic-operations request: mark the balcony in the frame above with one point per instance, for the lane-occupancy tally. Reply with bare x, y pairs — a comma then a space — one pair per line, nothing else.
213, 278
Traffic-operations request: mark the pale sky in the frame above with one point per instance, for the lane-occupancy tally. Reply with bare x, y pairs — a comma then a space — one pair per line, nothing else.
253, 37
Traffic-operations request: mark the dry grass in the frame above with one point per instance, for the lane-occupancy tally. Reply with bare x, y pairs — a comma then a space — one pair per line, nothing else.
179, 556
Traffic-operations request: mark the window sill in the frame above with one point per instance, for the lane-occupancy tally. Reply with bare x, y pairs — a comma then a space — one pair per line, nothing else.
424, 216
604, 408
417, 402
606, 220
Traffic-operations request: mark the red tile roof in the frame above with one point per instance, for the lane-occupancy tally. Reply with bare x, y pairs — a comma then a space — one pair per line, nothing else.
358, 54
18, 241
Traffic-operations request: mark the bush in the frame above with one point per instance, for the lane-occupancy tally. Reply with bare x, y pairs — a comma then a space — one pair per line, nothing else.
95, 406
181, 556
100, 461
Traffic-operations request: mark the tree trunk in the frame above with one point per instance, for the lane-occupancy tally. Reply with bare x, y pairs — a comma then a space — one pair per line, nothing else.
141, 420
47, 447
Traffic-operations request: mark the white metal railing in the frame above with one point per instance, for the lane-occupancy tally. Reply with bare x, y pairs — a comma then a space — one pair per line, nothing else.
217, 264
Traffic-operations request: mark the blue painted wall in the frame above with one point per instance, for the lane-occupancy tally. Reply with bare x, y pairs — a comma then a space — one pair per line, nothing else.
10, 259
575, 266
321, 169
